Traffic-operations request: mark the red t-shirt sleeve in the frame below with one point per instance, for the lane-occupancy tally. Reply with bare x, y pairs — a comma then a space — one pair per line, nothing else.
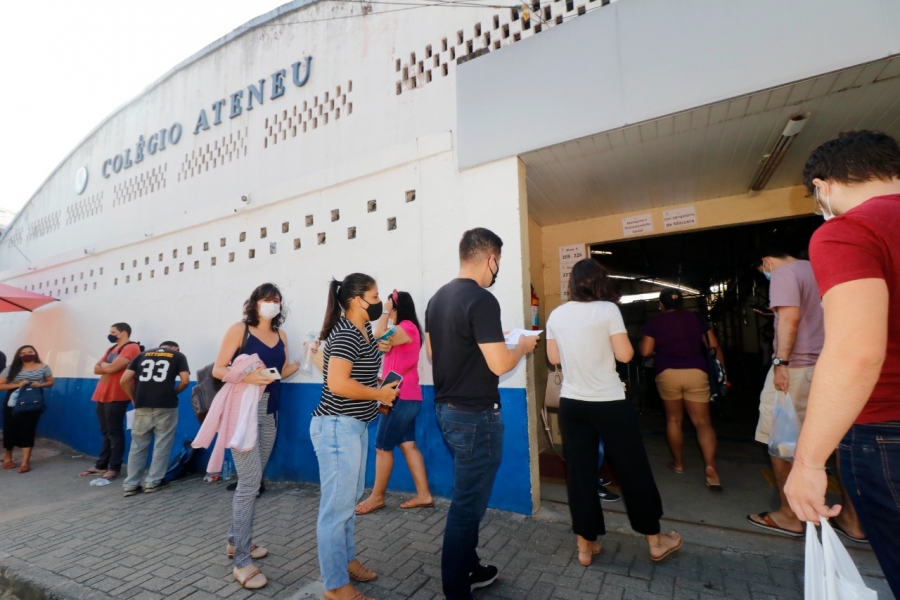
846, 250
131, 351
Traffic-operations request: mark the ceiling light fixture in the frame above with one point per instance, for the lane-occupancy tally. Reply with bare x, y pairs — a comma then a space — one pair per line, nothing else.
769, 162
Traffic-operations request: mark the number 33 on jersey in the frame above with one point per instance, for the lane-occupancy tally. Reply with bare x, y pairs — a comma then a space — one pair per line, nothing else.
156, 374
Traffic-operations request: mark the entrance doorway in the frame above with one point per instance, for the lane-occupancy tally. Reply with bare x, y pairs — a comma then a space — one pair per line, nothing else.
715, 271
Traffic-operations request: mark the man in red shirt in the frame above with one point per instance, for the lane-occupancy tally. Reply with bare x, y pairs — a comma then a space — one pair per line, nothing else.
854, 403
112, 401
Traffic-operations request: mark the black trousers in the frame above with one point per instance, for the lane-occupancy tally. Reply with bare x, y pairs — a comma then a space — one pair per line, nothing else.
19, 431
583, 425
111, 416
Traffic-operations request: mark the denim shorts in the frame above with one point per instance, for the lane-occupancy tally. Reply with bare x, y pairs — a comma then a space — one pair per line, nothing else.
399, 425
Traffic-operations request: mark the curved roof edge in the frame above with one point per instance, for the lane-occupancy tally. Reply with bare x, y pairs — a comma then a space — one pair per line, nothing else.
237, 32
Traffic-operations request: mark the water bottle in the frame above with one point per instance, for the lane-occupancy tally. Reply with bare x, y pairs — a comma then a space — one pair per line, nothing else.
306, 362
226, 469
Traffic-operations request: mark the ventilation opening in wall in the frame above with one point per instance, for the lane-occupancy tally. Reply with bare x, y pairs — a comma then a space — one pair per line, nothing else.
196, 264
538, 28
251, 253
443, 44
371, 206
166, 271
101, 270
335, 215
505, 32
526, 23
548, 14
428, 51
212, 261
285, 227
180, 267
95, 285
351, 233
222, 242
231, 257
392, 223
309, 220
399, 88
444, 66
146, 262
514, 13
296, 243
206, 246
410, 195
190, 250
559, 19
428, 76
470, 47
581, 10
496, 47
453, 53
273, 247
570, 5
133, 265
174, 253
115, 282
140, 276
160, 260
460, 38
152, 273
517, 37
243, 236
128, 279
321, 238
263, 232
477, 29
121, 268
496, 22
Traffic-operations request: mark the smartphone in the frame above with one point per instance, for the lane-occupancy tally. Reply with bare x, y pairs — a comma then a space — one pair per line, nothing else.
391, 377
273, 373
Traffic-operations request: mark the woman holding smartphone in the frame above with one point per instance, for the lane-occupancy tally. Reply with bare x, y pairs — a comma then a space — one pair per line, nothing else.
258, 333
339, 433
398, 426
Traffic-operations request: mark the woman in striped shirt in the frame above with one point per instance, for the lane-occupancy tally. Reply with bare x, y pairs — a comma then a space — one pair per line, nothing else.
18, 430
339, 432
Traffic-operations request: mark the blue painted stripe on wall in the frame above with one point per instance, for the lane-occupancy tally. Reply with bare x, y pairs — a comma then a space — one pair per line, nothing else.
70, 418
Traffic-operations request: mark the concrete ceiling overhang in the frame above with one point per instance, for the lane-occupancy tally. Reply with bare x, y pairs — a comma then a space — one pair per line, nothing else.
708, 152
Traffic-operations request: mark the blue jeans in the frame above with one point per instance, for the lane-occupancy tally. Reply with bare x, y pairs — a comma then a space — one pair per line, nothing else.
398, 426
341, 445
476, 443
870, 472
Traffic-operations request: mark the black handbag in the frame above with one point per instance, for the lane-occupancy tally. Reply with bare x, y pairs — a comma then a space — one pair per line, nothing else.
29, 400
203, 394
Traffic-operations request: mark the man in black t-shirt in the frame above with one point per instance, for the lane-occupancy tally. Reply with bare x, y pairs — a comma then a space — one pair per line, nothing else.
150, 383
464, 339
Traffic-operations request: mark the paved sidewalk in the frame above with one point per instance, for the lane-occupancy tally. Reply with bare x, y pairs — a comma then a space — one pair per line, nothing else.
79, 541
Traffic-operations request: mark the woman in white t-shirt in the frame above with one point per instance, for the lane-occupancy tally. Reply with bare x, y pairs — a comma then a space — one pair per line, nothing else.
587, 336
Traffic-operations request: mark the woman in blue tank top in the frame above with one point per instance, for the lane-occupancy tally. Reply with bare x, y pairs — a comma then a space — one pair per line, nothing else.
258, 333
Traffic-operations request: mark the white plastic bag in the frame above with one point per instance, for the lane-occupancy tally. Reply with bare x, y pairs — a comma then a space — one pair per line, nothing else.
829, 572
785, 427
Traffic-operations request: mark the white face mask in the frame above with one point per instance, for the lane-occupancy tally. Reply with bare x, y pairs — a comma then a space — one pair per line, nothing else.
269, 310
825, 205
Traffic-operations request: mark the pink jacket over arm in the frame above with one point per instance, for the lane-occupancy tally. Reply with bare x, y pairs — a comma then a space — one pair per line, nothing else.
232, 416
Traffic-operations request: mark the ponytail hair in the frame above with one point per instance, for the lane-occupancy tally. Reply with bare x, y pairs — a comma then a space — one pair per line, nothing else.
340, 293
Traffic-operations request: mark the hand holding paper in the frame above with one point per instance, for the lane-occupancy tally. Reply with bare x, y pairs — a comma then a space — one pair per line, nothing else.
512, 338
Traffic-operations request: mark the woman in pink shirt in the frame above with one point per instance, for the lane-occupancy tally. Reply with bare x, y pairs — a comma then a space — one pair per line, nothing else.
398, 425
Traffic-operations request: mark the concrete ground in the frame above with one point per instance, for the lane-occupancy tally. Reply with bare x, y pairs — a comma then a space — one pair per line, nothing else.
70, 540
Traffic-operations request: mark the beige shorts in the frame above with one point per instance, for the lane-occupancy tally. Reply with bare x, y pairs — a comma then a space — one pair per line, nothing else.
798, 388
688, 384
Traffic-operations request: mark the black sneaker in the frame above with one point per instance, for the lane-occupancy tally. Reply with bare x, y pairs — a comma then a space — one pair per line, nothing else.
483, 576
608, 496
133, 492
603, 481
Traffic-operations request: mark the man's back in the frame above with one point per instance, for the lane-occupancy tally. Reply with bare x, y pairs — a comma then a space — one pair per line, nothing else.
794, 284
155, 374
460, 316
863, 243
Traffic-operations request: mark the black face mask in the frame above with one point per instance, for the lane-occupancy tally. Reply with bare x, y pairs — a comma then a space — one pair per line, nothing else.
112, 338
27, 358
374, 310
493, 273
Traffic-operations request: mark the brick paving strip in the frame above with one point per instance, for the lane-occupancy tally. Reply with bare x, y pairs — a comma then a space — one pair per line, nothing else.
72, 540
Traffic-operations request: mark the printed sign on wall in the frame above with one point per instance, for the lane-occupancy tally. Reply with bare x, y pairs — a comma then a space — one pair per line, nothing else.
685, 216
637, 224
568, 256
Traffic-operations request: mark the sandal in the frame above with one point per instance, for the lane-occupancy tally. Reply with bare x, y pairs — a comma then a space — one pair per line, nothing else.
770, 525
8, 464
841, 531
27, 468
92, 471
357, 596
255, 551
246, 581
670, 550
362, 573
407, 505
110, 475
362, 509
587, 557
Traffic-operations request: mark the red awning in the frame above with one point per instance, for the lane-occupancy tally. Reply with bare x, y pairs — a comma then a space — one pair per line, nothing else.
13, 299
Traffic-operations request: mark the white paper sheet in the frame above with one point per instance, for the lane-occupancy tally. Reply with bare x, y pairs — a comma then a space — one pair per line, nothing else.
129, 419
512, 338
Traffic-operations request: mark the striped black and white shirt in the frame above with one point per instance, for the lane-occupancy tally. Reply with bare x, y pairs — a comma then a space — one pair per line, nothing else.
346, 342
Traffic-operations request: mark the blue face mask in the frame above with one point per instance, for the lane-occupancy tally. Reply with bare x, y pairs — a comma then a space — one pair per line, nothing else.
767, 274
112, 338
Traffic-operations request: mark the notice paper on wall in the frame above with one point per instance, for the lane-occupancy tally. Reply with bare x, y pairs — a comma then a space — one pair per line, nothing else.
512, 338
637, 224
685, 216
568, 256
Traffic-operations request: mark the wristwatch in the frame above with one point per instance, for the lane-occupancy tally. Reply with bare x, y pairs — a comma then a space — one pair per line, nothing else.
778, 362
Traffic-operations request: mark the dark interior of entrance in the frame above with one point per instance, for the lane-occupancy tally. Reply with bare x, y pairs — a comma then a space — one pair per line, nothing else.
717, 274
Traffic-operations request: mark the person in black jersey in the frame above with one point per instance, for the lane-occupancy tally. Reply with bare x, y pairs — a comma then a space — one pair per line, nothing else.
464, 339
150, 383
339, 431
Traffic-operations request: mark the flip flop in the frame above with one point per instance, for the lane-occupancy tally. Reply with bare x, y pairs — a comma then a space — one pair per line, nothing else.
27, 468
406, 505
713, 487
9, 465
366, 510
668, 552
841, 531
671, 466
92, 471
771, 525
109, 477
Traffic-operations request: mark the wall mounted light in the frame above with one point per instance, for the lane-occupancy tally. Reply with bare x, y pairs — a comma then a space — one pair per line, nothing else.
769, 162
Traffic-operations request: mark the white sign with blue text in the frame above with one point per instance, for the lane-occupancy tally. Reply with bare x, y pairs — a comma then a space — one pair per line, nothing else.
568, 256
